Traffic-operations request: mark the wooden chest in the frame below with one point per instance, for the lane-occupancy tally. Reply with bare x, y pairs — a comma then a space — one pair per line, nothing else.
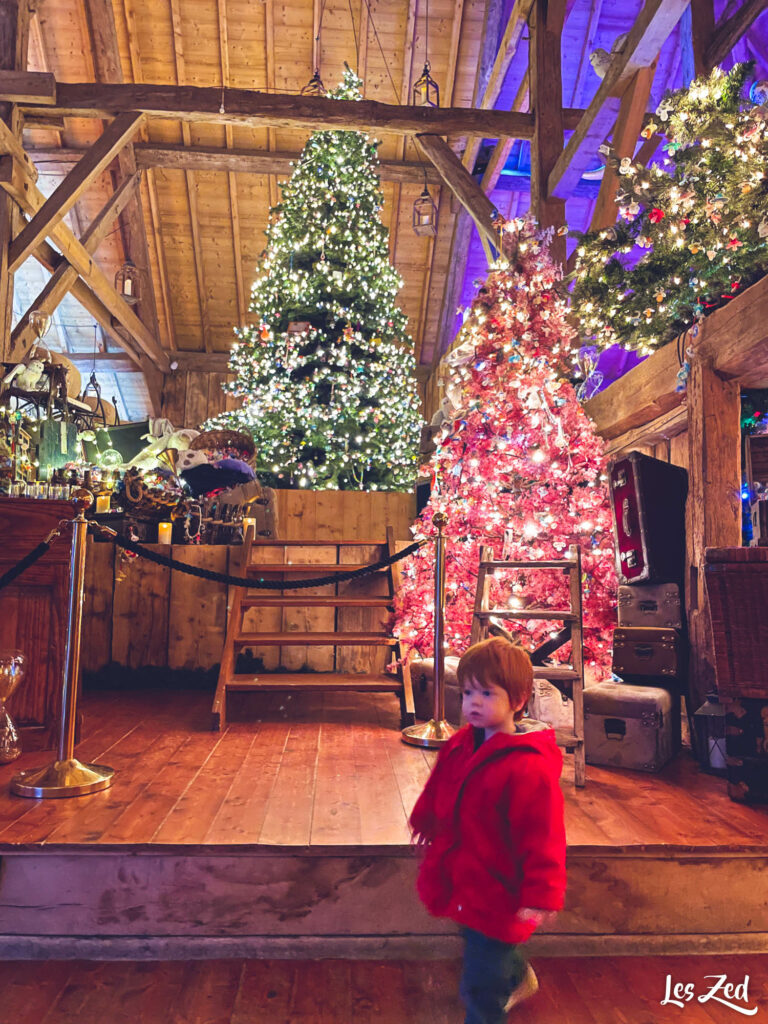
641, 652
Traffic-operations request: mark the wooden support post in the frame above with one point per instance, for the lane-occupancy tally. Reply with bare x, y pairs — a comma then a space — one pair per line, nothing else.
546, 25
702, 30
713, 517
729, 32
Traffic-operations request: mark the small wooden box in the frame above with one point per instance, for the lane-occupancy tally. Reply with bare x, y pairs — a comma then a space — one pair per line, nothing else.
641, 652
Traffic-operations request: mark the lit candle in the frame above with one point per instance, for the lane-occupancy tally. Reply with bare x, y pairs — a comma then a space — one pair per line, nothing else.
164, 533
248, 521
102, 503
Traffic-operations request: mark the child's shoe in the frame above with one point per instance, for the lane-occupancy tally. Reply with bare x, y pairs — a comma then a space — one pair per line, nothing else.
528, 987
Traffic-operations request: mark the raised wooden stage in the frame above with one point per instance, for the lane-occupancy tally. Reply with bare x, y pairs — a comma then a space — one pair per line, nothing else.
286, 835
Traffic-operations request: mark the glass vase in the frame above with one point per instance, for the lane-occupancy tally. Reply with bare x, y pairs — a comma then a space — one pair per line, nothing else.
11, 673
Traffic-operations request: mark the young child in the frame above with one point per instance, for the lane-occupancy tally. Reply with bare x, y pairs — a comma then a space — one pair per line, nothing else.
491, 821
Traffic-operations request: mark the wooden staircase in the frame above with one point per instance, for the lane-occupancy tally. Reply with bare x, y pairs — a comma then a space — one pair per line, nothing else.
271, 608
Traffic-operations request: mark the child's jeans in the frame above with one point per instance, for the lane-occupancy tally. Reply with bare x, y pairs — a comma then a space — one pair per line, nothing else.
492, 969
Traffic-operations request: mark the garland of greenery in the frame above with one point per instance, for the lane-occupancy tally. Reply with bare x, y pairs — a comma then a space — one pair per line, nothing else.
701, 219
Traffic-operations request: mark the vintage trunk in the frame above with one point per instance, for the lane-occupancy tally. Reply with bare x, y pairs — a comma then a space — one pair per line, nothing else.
650, 604
648, 503
630, 726
641, 652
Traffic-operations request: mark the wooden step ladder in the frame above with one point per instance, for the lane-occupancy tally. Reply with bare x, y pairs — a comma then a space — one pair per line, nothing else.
569, 678
244, 600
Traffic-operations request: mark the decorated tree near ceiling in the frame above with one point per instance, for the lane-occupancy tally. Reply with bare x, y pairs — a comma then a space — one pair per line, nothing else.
327, 371
518, 466
698, 222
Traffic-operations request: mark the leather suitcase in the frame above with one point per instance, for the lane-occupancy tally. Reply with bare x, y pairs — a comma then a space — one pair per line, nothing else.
747, 779
746, 729
640, 652
630, 726
650, 604
648, 504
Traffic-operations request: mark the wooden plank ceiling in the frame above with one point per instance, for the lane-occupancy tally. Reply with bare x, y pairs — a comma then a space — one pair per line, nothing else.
205, 228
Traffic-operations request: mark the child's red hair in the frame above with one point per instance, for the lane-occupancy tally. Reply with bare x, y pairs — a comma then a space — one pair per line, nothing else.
498, 661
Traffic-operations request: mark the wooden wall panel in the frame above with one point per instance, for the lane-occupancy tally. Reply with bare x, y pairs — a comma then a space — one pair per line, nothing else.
98, 605
140, 625
197, 611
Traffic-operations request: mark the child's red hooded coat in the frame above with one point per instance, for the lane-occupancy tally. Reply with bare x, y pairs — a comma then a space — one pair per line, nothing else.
493, 821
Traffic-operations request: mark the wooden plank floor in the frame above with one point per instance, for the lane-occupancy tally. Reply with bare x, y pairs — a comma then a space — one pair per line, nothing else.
625, 990
321, 770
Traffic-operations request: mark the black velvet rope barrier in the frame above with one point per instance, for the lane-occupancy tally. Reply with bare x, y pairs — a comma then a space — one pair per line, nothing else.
254, 582
25, 563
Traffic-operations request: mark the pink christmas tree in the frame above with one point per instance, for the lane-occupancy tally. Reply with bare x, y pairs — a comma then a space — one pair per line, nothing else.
518, 466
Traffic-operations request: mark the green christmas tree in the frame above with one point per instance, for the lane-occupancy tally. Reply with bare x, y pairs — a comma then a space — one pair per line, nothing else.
327, 369
699, 220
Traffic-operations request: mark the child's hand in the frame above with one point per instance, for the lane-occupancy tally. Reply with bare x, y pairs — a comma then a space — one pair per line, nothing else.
530, 915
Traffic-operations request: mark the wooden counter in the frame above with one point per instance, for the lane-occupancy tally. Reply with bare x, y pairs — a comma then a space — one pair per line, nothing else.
33, 609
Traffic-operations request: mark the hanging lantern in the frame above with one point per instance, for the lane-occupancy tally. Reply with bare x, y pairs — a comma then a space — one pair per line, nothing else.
710, 719
425, 214
314, 86
39, 322
128, 282
425, 90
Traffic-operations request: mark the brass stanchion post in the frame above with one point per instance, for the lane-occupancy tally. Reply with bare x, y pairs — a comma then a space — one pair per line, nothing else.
67, 776
436, 731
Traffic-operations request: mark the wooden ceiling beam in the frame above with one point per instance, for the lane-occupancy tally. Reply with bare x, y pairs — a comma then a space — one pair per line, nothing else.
462, 185
54, 209
64, 276
503, 147
727, 33
242, 161
27, 87
654, 23
111, 362
244, 107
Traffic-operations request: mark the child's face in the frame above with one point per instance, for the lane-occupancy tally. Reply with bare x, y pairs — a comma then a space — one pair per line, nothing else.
487, 706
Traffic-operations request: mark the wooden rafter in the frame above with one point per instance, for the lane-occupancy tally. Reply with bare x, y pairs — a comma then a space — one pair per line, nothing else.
462, 185
64, 197
189, 178
269, 67
504, 57
31, 200
625, 134
652, 26
247, 108
100, 28
231, 179
729, 32
150, 184
503, 147
64, 276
